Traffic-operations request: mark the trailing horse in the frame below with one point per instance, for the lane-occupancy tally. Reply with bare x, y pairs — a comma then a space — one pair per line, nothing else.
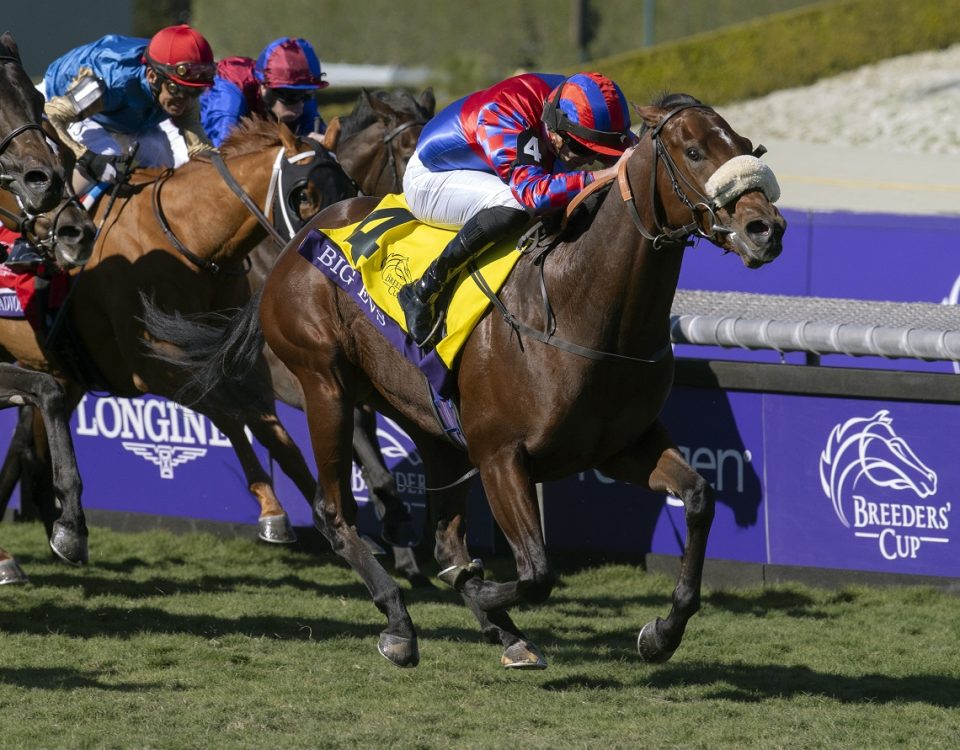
181, 238
545, 390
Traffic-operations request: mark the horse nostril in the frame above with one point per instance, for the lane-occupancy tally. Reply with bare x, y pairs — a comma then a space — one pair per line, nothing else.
758, 228
37, 179
72, 234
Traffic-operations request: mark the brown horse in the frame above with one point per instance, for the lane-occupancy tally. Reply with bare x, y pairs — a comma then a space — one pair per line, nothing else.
28, 167
539, 399
32, 171
180, 238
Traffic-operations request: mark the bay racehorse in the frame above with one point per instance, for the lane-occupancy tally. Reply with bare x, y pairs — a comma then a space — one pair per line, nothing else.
545, 390
31, 170
181, 238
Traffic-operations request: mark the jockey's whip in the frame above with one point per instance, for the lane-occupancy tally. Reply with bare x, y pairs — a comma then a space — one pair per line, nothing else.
122, 177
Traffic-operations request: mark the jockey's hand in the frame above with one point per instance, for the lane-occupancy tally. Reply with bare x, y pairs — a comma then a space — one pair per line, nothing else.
101, 167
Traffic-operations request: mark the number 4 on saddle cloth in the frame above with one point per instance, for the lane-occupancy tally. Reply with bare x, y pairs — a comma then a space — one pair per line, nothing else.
372, 259
35, 295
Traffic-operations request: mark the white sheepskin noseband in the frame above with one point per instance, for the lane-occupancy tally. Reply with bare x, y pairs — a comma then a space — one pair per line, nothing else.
739, 175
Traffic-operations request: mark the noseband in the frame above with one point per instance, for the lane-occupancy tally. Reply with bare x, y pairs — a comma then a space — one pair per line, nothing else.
664, 237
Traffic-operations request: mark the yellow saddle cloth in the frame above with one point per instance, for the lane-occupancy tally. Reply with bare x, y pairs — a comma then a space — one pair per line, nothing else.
390, 248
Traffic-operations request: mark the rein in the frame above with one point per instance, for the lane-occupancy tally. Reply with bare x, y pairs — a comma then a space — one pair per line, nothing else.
660, 237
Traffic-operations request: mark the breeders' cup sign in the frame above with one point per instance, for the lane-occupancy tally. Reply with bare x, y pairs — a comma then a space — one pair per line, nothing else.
864, 456
151, 455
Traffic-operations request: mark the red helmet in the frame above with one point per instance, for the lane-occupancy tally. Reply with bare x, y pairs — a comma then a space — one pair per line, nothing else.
591, 109
288, 63
182, 55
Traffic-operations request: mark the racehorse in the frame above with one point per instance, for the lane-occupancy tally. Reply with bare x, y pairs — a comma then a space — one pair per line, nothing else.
181, 237
28, 166
546, 389
32, 171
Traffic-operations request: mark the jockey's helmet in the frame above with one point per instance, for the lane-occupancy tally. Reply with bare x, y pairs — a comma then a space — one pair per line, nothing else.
182, 55
289, 63
591, 109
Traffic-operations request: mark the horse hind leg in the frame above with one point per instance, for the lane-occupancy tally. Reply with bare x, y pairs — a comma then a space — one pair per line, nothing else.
329, 415
657, 464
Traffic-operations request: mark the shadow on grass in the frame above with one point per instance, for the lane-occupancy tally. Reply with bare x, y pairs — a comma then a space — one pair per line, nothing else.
65, 678
742, 683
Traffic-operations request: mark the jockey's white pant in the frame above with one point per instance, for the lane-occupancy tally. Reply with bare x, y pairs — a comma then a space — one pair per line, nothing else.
449, 199
160, 146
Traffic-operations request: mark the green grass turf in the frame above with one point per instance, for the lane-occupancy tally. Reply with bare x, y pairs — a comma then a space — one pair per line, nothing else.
170, 641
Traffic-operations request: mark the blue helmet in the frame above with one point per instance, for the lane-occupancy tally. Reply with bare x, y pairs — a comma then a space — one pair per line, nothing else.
289, 63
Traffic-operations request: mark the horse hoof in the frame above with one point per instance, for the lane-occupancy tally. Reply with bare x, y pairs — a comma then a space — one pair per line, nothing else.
401, 652
68, 545
11, 572
523, 655
650, 644
276, 529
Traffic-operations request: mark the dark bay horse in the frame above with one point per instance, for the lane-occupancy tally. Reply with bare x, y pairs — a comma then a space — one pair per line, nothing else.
32, 172
181, 238
28, 167
531, 411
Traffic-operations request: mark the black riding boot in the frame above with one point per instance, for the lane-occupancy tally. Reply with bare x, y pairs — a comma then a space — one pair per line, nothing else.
418, 299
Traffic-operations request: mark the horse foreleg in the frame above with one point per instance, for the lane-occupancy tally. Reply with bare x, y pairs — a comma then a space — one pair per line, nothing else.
656, 463
513, 500
67, 528
329, 415
273, 523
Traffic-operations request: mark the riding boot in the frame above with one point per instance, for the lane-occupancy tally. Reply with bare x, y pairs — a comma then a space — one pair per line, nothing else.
418, 300
23, 257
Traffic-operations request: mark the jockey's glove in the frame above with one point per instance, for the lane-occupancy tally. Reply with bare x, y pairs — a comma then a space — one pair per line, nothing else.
101, 167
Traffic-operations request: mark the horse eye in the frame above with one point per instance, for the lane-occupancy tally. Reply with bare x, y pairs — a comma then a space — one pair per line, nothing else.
300, 197
694, 154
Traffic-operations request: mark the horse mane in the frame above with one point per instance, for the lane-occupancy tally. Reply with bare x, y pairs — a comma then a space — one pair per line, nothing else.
364, 115
252, 133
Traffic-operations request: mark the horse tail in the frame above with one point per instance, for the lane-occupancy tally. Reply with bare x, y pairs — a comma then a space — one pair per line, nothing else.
216, 352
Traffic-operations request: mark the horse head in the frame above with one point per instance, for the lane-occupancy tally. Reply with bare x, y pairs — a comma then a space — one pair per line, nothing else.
708, 179
376, 140
309, 179
28, 166
868, 448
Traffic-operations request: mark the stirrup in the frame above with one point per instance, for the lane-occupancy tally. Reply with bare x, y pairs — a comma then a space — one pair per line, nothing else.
428, 340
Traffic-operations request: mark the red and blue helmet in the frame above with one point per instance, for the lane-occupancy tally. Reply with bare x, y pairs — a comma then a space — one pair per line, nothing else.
289, 63
591, 109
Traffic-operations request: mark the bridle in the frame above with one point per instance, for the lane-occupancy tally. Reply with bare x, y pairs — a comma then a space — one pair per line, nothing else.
8, 138
665, 237
27, 223
390, 159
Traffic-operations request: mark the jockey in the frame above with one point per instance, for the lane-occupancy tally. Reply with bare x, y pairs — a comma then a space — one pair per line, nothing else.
279, 84
489, 161
103, 96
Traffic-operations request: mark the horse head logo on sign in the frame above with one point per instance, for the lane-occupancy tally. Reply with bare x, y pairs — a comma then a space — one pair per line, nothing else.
864, 457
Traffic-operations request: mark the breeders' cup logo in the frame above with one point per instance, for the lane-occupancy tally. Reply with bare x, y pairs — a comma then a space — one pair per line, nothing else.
864, 464
395, 272
160, 432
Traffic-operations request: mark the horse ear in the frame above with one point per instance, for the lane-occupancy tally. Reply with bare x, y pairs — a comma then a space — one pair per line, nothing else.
287, 138
10, 44
427, 102
651, 116
332, 137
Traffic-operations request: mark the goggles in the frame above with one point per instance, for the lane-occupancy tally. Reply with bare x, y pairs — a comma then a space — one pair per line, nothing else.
199, 73
578, 149
181, 92
289, 97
